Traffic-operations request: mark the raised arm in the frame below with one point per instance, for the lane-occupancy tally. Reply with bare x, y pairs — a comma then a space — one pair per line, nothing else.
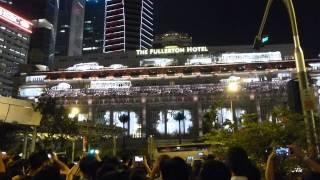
269, 174
2, 165
312, 164
64, 169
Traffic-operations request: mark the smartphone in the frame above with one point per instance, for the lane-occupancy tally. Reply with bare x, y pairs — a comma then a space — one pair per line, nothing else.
189, 159
282, 151
94, 151
4, 153
138, 158
200, 154
49, 156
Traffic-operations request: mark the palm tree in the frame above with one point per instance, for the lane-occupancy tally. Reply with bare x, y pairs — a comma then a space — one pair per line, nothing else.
124, 118
179, 117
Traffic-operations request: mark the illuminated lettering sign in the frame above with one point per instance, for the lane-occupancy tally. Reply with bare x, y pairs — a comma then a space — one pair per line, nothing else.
15, 20
175, 50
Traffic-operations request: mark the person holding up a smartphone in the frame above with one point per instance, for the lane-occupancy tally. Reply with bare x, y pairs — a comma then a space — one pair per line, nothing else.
290, 150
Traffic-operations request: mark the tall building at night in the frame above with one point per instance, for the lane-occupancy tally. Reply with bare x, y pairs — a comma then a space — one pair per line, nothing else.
70, 27
9, 2
172, 39
128, 25
14, 44
44, 15
93, 27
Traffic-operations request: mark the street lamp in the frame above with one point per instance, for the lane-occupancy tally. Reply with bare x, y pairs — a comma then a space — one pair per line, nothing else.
232, 88
305, 90
74, 112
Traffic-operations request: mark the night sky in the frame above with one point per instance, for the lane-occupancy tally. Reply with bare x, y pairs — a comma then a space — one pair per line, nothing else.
235, 22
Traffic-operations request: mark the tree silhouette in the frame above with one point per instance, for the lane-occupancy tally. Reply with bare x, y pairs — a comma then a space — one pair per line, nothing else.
55, 121
179, 117
210, 118
124, 118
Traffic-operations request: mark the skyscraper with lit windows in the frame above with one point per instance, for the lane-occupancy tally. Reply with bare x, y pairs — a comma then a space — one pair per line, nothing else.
93, 27
128, 25
15, 33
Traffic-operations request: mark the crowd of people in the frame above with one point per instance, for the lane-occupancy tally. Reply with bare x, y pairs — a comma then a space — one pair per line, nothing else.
236, 165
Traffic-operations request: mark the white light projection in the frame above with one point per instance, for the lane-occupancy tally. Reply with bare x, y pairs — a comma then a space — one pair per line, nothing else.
172, 124
226, 114
134, 125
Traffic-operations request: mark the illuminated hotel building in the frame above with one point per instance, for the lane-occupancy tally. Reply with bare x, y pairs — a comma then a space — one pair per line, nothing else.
153, 85
14, 44
128, 25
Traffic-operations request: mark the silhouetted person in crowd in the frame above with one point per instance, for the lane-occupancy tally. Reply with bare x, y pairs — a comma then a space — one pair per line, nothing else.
156, 167
137, 174
174, 169
196, 167
48, 172
240, 165
89, 166
213, 169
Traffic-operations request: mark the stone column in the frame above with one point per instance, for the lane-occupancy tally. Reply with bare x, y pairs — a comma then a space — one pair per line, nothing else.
111, 117
258, 110
197, 115
90, 114
165, 112
144, 117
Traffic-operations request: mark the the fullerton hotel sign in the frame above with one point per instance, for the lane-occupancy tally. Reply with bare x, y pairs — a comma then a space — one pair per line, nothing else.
175, 50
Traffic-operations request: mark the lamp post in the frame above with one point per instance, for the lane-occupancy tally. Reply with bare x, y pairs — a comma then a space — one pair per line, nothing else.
74, 112
232, 88
305, 91
304, 88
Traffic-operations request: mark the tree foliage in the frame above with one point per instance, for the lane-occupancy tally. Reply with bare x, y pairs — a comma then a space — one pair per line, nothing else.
210, 118
179, 117
257, 138
55, 121
124, 118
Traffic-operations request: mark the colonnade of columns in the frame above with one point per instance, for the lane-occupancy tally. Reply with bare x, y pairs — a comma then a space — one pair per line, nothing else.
155, 119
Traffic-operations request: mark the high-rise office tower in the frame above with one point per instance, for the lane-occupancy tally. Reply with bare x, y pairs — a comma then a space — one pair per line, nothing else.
44, 15
93, 27
128, 25
70, 27
14, 44
8, 2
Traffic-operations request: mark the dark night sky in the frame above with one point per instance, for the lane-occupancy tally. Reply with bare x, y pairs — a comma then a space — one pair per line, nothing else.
233, 22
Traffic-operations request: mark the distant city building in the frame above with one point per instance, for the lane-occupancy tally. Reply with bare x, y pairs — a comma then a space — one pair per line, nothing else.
44, 14
14, 44
70, 27
172, 39
42, 43
128, 25
9, 2
93, 27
